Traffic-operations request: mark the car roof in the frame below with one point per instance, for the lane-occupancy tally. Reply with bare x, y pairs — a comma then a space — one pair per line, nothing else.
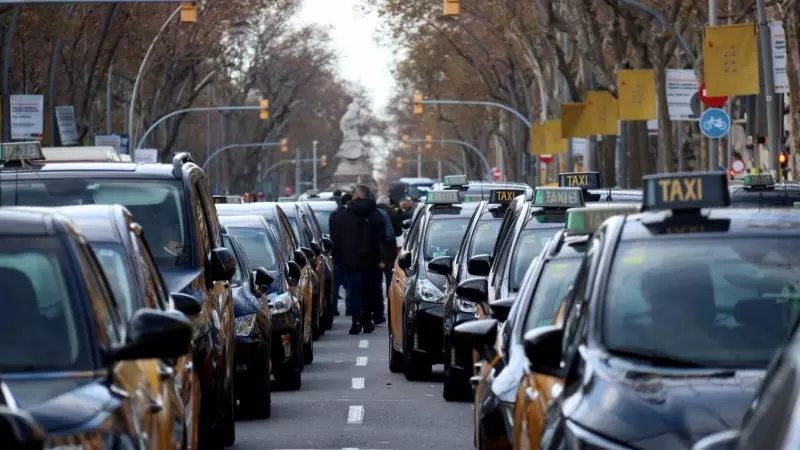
132, 170
742, 221
244, 221
27, 221
328, 205
238, 209
99, 223
465, 210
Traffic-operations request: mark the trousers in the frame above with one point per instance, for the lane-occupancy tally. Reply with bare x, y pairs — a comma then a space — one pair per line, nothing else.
364, 294
339, 275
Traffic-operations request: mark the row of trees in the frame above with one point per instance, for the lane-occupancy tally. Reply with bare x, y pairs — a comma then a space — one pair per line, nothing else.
238, 52
527, 53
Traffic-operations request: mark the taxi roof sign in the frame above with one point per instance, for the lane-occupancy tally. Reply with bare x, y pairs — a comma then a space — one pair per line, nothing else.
685, 191
558, 197
285, 199
455, 180
504, 196
220, 199
21, 151
587, 220
583, 180
312, 192
473, 198
760, 180
442, 198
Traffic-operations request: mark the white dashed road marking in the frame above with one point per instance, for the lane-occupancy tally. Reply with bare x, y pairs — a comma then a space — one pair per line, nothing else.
355, 415
361, 361
363, 343
357, 383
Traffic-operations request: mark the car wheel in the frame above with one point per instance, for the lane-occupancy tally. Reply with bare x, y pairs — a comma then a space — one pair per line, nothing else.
227, 430
416, 367
316, 332
259, 406
395, 357
308, 352
454, 387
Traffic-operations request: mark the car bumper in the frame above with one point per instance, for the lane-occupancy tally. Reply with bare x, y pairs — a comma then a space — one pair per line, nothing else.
284, 346
250, 363
461, 356
427, 328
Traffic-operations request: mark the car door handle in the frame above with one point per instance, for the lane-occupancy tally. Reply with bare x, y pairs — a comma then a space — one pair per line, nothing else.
532, 395
397, 279
155, 406
189, 366
165, 372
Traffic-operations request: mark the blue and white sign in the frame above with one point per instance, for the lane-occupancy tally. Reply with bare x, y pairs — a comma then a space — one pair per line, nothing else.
715, 123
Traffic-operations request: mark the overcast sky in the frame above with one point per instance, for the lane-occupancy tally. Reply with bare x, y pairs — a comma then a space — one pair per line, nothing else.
361, 59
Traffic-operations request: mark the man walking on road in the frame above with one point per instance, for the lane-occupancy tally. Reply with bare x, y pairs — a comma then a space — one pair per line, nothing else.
360, 233
338, 270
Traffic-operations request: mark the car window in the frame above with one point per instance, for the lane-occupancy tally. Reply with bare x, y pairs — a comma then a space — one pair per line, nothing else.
529, 244
112, 260
238, 277
107, 315
554, 282
773, 198
712, 301
484, 237
444, 237
258, 246
155, 290
323, 219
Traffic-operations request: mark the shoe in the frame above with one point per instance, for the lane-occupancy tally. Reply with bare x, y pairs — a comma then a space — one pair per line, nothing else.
369, 327
355, 329
380, 321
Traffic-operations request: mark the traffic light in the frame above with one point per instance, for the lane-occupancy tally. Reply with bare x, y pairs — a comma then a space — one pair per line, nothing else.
428, 141
323, 160
417, 104
405, 141
783, 158
452, 7
264, 109
188, 12
398, 162
284, 145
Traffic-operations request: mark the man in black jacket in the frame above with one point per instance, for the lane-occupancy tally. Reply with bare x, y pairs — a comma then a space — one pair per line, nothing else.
360, 234
338, 270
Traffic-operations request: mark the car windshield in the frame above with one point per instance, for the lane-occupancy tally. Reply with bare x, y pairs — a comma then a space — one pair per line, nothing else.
444, 237
257, 246
238, 277
112, 259
484, 237
715, 302
157, 205
419, 190
41, 327
554, 282
324, 217
529, 244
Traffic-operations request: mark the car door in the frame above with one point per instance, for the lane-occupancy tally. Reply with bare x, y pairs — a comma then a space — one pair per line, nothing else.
397, 292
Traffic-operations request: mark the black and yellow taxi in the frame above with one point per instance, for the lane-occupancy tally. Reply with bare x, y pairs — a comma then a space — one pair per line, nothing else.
672, 320
174, 206
593, 190
761, 191
416, 294
322, 246
476, 190
261, 251
70, 355
297, 267
479, 239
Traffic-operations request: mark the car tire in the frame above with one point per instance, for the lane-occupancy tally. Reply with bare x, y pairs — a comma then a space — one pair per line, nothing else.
454, 388
260, 406
316, 331
415, 366
308, 352
227, 426
395, 357
290, 380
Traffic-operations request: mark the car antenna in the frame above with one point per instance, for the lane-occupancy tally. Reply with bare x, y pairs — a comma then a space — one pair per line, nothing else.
609, 199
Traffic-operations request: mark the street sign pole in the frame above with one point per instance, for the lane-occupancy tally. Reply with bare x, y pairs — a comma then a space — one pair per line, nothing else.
713, 144
765, 39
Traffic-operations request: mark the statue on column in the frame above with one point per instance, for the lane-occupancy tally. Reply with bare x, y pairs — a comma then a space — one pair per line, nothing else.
354, 164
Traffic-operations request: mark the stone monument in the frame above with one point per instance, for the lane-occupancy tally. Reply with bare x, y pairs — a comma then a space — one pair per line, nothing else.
354, 164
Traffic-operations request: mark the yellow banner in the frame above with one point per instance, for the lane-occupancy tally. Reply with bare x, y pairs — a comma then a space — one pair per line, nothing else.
539, 139
574, 123
555, 144
730, 60
602, 110
637, 94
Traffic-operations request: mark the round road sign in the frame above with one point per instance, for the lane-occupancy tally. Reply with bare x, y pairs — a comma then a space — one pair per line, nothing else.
711, 102
496, 173
714, 123
737, 165
547, 159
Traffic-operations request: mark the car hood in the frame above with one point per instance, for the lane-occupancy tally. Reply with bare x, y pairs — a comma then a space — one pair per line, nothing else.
651, 408
60, 403
244, 302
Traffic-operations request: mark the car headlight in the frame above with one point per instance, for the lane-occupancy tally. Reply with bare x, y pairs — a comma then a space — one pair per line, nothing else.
280, 303
428, 292
466, 306
578, 438
245, 324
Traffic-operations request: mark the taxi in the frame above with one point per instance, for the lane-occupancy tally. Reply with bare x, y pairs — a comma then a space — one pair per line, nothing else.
673, 318
478, 240
416, 295
761, 191
476, 191
594, 191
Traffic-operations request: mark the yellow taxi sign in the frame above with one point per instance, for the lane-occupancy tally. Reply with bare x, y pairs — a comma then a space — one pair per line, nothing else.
442, 198
583, 180
688, 190
455, 180
220, 199
504, 196
588, 220
760, 180
21, 151
562, 197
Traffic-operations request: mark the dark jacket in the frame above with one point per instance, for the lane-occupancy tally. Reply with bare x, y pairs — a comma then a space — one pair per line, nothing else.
332, 220
396, 216
360, 233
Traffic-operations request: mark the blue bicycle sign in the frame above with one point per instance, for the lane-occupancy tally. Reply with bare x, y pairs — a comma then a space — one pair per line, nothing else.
715, 123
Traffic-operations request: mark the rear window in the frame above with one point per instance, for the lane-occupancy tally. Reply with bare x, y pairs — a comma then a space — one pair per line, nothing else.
444, 237
529, 244
777, 198
324, 217
484, 238
258, 247
554, 282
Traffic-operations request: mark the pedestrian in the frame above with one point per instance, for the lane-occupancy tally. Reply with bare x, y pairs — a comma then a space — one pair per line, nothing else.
337, 194
360, 233
338, 270
394, 230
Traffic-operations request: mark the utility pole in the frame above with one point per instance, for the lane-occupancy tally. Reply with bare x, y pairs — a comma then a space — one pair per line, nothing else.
713, 144
439, 169
314, 163
729, 140
773, 130
297, 171
109, 101
419, 161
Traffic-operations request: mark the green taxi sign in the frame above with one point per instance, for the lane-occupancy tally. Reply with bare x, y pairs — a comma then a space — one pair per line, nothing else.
442, 198
583, 180
687, 190
285, 199
796, 205
21, 151
561, 197
312, 192
455, 180
473, 198
761, 180
588, 219
504, 196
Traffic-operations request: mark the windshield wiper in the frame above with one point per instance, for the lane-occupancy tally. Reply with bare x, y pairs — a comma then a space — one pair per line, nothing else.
655, 357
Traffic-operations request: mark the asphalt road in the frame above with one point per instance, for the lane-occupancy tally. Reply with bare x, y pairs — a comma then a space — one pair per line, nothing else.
349, 400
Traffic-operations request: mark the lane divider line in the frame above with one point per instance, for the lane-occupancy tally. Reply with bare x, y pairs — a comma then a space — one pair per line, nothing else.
363, 343
361, 361
355, 415
357, 383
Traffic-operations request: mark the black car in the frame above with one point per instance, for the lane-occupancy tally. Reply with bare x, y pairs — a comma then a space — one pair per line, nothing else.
174, 206
70, 357
260, 247
761, 191
674, 314
476, 191
478, 240
18, 430
253, 332
416, 295
322, 247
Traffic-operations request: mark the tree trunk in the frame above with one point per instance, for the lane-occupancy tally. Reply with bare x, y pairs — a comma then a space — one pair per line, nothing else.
606, 157
664, 124
791, 28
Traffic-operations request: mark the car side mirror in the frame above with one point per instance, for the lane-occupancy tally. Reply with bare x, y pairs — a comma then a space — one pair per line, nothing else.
479, 265
327, 245
18, 430
262, 278
308, 253
222, 263
154, 334
316, 248
501, 308
479, 335
293, 273
543, 349
187, 303
723, 440
300, 258
442, 265
475, 290
404, 260
407, 224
